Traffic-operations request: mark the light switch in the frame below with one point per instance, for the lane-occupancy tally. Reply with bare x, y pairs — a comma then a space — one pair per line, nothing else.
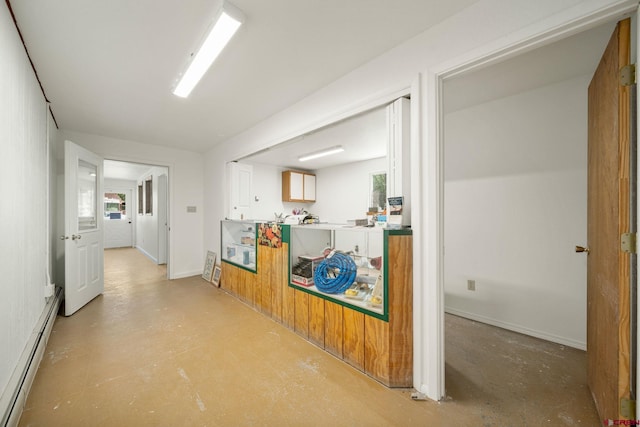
191, 209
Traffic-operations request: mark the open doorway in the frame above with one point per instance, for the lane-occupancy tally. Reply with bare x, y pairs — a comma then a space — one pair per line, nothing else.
515, 197
143, 191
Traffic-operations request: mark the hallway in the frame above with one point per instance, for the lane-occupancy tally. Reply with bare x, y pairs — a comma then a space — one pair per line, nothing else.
180, 353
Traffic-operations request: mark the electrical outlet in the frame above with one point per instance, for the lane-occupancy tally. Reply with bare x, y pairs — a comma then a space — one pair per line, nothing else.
471, 285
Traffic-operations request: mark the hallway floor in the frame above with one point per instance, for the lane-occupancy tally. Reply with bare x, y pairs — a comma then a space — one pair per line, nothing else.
179, 353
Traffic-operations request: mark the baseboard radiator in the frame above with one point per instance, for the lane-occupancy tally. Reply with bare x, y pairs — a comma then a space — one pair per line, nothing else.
13, 400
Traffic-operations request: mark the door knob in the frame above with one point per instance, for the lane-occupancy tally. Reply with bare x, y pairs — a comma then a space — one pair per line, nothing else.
582, 249
76, 236
64, 237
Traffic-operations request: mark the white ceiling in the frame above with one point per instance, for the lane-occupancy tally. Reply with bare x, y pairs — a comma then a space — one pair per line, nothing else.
124, 170
108, 67
571, 57
363, 137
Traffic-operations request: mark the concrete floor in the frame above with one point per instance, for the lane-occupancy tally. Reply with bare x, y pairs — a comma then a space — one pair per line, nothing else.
179, 353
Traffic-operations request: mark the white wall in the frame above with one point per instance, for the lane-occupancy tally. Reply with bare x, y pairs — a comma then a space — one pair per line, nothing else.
185, 189
147, 225
342, 192
23, 185
515, 207
479, 30
267, 187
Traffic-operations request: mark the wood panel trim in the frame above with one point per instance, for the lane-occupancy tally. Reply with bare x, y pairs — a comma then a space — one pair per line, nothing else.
316, 320
353, 337
624, 126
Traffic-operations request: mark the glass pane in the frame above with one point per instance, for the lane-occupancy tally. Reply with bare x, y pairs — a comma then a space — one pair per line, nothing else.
140, 200
87, 197
148, 197
378, 191
115, 206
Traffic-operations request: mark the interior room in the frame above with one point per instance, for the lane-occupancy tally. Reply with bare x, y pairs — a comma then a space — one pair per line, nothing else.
144, 224
516, 190
430, 260
343, 180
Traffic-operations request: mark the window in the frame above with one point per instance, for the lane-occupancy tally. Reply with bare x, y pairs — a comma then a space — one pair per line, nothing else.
148, 196
87, 195
140, 200
378, 191
115, 206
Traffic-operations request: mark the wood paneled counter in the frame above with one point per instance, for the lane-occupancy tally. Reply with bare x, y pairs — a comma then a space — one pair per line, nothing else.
380, 345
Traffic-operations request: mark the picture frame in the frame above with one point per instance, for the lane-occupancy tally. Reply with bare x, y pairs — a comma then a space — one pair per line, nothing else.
209, 264
217, 272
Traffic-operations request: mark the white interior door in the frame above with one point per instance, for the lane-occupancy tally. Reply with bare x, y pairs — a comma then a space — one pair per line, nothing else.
240, 181
118, 219
84, 232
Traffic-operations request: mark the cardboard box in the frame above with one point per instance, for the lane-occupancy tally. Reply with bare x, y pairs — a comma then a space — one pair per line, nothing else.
304, 281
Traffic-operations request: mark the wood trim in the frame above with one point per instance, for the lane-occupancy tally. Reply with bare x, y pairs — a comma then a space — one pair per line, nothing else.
289, 295
353, 337
266, 259
400, 264
376, 349
278, 283
333, 333
301, 314
316, 320
624, 126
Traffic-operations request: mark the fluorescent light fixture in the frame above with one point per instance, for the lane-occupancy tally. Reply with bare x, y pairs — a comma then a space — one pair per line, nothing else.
225, 25
321, 153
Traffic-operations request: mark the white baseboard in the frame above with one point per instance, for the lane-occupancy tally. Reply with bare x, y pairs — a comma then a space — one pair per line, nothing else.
186, 274
147, 254
15, 395
517, 328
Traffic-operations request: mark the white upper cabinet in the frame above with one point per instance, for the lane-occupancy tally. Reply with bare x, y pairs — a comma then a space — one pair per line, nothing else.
298, 187
309, 187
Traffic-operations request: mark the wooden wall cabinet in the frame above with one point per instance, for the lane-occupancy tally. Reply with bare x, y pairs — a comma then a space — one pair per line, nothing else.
298, 187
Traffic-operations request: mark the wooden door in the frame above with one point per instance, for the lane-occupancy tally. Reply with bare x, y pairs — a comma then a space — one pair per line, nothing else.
608, 308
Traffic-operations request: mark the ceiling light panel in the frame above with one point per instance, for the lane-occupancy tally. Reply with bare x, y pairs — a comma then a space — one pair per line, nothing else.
227, 22
322, 153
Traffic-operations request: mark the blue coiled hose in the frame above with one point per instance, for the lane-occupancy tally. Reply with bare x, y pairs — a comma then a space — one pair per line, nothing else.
335, 273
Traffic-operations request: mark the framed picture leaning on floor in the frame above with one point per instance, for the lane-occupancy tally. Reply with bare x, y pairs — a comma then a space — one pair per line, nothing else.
209, 265
217, 271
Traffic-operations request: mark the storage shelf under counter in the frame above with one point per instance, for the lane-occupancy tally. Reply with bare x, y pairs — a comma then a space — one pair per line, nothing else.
367, 249
238, 243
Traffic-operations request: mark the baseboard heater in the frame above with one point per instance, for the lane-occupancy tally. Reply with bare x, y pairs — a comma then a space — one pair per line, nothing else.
13, 399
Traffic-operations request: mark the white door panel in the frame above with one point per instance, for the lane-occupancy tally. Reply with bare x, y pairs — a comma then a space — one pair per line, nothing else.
118, 224
84, 231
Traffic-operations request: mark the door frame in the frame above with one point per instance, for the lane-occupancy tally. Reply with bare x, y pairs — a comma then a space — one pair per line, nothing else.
429, 358
169, 201
163, 217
